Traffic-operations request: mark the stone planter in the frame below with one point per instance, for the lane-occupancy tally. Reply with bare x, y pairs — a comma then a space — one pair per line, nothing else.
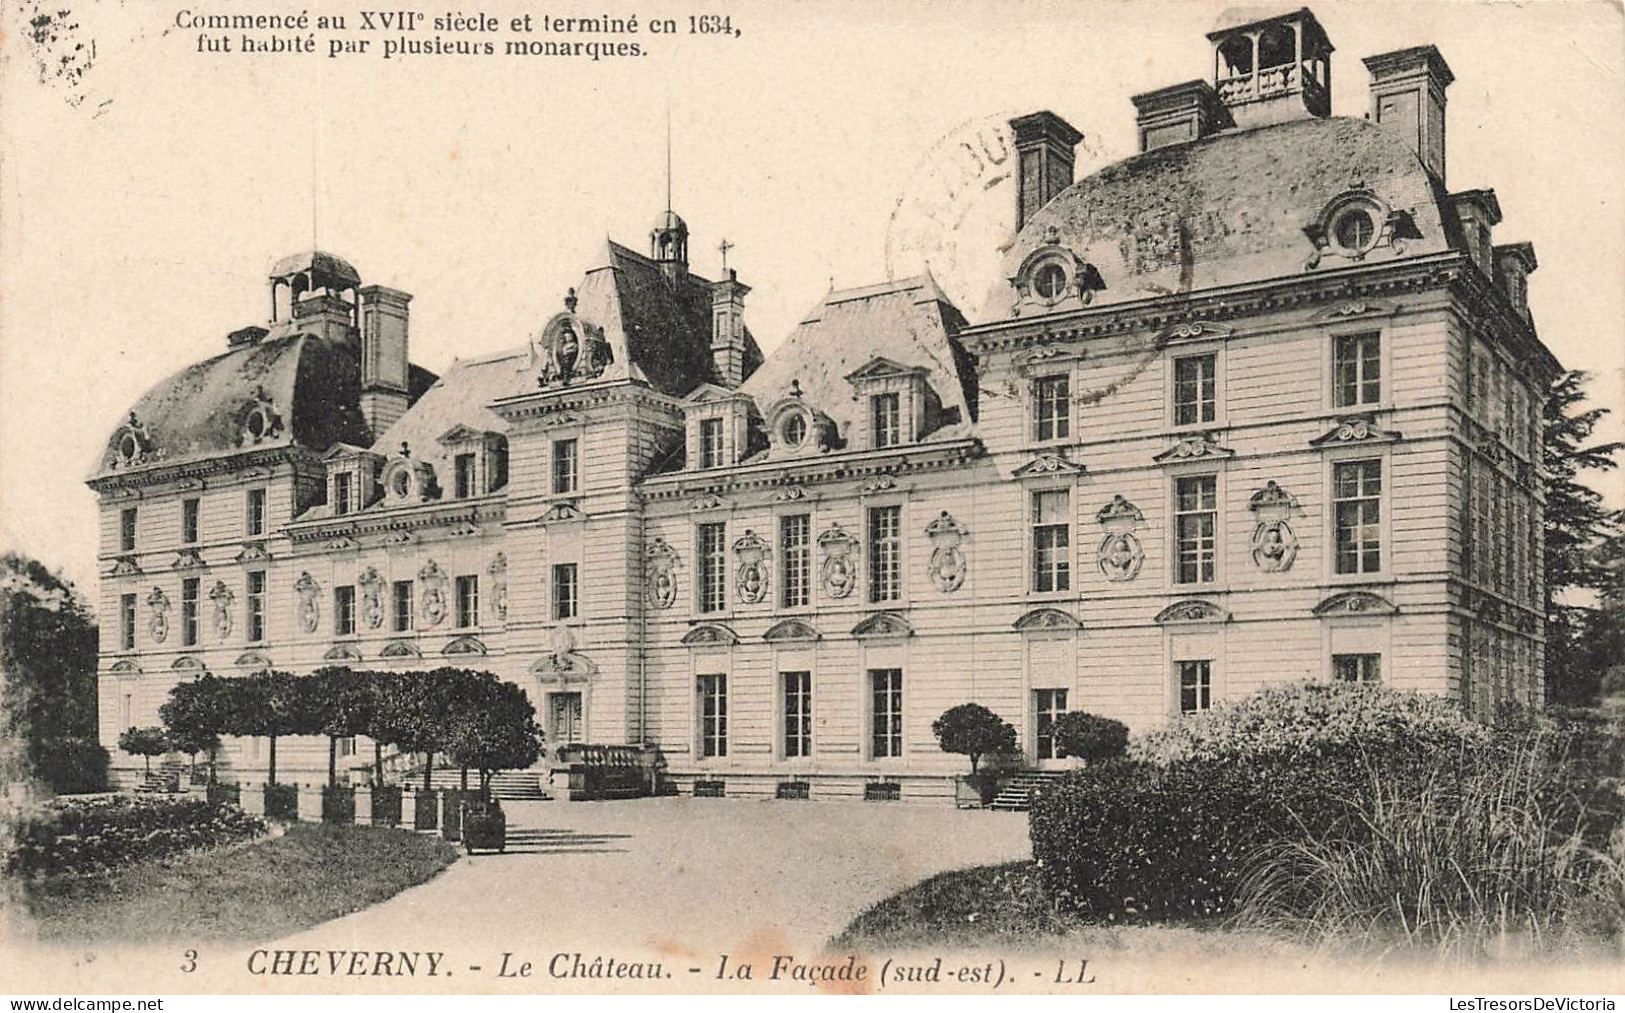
975, 791
338, 804
281, 802
425, 810
386, 806
485, 827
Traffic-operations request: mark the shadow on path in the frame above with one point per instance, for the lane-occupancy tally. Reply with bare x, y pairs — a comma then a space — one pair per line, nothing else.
562, 842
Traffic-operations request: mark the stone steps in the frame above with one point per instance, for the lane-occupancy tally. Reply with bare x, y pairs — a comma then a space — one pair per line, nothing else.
1017, 796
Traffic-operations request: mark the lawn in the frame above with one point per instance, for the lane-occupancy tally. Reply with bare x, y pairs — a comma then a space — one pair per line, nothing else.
261, 890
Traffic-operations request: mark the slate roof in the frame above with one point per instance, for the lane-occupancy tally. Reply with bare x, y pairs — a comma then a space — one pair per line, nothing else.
1238, 201
458, 398
909, 321
199, 412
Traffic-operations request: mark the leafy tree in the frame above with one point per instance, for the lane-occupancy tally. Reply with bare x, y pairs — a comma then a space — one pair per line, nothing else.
417, 711
975, 731
343, 701
1090, 737
194, 715
1577, 523
145, 742
48, 698
273, 704
494, 729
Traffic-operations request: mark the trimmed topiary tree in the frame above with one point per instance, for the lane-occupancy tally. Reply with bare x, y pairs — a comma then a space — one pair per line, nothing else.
494, 729
975, 731
144, 742
1090, 737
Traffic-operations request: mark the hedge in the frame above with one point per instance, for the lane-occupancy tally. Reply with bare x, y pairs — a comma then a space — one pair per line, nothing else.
386, 805
282, 801
93, 835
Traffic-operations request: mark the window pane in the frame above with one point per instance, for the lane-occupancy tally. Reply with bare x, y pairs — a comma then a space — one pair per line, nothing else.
795, 545
1195, 389
712, 550
1357, 512
885, 553
1195, 529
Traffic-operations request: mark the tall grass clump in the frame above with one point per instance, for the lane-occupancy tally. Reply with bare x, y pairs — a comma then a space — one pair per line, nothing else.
1494, 852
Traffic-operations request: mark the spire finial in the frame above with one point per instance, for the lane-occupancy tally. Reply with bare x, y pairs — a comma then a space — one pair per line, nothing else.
724, 247
668, 154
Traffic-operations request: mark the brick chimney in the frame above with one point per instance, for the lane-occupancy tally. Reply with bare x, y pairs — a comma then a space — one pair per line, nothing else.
326, 315
728, 329
1045, 150
1407, 96
385, 371
1179, 113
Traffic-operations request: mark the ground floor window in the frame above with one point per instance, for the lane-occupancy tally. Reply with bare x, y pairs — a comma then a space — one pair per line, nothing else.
886, 713
1048, 706
713, 692
347, 745
797, 714
1195, 686
1357, 667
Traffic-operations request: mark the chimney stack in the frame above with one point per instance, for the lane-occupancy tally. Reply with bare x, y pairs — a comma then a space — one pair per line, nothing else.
385, 371
1514, 263
1045, 150
1478, 212
1179, 113
728, 329
326, 315
1407, 96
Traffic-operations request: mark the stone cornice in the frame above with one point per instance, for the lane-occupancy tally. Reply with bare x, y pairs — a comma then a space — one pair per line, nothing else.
160, 474
1228, 302
535, 408
453, 515
917, 459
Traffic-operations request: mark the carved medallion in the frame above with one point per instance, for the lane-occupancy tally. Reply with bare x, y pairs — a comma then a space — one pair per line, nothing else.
309, 610
752, 553
662, 564
158, 621
433, 581
1120, 555
948, 565
1274, 546
839, 571
222, 597
372, 597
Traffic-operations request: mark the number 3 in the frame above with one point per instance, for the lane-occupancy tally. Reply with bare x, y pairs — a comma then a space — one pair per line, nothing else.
191, 962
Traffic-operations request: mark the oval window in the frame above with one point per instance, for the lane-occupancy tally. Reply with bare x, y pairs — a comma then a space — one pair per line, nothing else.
256, 423
401, 484
127, 447
1355, 230
794, 430
1050, 282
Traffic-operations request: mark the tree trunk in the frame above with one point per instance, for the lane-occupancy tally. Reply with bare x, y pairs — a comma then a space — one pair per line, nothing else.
332, 760
428, 771
272, 777
212, 762
378, 763
147, 759
464, 783
485, 785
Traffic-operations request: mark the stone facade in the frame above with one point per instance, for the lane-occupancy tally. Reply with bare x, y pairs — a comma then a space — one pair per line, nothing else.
1258, 404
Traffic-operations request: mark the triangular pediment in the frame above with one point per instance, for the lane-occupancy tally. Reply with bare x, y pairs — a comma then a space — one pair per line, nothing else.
1355, 429
461, 433
710, 635
880, 366
883, 624
339, 451
707, 392
791, 629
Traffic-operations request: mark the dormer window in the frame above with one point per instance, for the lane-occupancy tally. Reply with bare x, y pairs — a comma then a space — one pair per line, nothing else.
1053, 277
718, 423
351, 478
1357, 223
463, 467
886, 427
342, 486
710, 443
1049, 282
1354, 231
794, 430
478, 460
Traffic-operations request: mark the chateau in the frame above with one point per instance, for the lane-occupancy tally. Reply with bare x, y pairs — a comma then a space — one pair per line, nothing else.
1258, 403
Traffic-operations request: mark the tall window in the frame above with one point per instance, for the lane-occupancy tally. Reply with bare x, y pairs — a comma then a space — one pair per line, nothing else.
713, 692
1195, 686
342, 495
1052, 408
463, 470
1048, 706
885, 420
344, 610
255, 604
1196, 397
1357, 667
1357, 370
1357, 502
885, 553
710, 443
126, 622
564, 467
795, 548
400, 594
1196, 518
189, 594
189, 514
797, 714
468, 600
1052, 541
126, 529
713, 557
886, 712
566, 594
256, 512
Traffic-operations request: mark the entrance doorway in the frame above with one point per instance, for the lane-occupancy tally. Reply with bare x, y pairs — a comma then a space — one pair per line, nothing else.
564, 723
1048, 706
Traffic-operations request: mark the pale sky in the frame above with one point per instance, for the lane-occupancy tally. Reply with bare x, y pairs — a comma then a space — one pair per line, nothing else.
137, 226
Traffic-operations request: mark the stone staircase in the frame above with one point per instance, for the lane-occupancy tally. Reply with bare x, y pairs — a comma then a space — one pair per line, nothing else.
506, 785
1017, 796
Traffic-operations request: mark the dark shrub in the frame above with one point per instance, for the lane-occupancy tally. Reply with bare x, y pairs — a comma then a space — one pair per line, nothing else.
426, 811
227, 794
71, 766
1090, 737
87, 836
282, 801
386, 805
1127, 839
975, 731
338, 804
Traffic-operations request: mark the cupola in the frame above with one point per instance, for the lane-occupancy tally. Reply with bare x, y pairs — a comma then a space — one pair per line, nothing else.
668, 245
1272, 69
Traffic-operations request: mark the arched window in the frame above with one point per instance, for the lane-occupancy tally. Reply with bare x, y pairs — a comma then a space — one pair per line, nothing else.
1237, 54
1277, 47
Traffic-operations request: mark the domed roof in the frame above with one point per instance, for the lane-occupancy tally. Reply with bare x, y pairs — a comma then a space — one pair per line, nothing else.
320, 263
1228, 209
670, 221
